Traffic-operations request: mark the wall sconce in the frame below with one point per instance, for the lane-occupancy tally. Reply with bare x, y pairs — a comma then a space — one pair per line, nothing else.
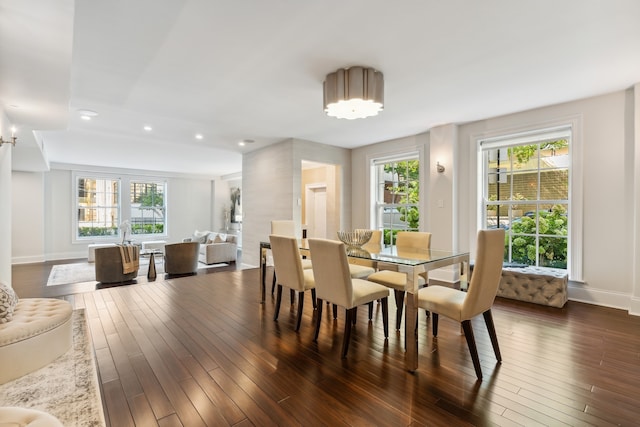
13, 138
439, 167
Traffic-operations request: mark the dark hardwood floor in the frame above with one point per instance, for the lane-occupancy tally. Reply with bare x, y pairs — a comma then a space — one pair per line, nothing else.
202, 350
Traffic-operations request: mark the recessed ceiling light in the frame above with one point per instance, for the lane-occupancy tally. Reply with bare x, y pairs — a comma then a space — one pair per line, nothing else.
199, 136
148, 128
245, 142
87, 114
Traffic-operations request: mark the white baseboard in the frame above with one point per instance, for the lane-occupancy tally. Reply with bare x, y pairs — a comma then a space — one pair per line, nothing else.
49, 257
582, 293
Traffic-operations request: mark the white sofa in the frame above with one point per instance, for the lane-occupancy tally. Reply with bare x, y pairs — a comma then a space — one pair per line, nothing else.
215, 247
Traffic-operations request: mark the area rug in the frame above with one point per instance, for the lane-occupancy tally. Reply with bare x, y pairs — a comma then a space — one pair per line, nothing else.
67, 388
64, 274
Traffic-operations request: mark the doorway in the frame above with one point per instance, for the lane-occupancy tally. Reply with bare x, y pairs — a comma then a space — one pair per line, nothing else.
316, 210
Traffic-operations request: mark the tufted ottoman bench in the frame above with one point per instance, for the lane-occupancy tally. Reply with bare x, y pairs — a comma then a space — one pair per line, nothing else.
539, 285
40, 332
14, 416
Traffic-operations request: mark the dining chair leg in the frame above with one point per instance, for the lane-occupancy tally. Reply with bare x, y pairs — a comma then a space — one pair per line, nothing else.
300, 306
488, 319
318, 320
292, 295
385, 316
354, 316
434, 324
471, 342
335, 312
278, 301
370, 310
313, 298
273, 284
347, 331
399, 295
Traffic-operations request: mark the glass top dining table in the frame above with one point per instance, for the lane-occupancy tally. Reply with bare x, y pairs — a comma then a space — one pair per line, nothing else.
414, 263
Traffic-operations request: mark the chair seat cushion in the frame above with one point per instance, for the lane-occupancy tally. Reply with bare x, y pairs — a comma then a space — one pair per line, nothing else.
306, 264
393, 279
442, 300
360, 271
365, 291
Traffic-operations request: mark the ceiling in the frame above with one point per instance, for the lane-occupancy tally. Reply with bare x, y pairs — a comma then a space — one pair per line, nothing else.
253, 69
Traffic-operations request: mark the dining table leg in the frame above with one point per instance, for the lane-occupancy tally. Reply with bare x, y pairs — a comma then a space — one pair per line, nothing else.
411, 332
263, 273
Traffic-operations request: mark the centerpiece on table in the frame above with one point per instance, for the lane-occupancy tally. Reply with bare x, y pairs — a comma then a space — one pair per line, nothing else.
354, 241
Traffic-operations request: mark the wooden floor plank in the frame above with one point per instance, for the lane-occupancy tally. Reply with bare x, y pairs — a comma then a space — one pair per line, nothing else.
203, 350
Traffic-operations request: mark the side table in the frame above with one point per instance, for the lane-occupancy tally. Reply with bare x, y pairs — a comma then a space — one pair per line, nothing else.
151, 273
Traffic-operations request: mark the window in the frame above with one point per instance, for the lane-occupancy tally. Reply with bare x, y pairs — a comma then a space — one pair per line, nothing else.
397, 195
97, 207
103, 203
147, 215
526, 192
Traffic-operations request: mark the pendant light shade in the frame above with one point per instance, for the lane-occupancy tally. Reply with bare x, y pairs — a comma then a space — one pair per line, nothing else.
353, 93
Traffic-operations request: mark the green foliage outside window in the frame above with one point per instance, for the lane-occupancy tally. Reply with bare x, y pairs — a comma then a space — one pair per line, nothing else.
388, 234
147, 228
552, 250
525, 152
97, 231
407, 190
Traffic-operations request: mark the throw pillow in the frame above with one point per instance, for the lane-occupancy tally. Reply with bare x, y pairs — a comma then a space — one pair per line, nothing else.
200, 237
218, 239
8, 302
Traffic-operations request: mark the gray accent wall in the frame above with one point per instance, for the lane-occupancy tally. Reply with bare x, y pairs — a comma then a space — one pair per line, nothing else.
272, 187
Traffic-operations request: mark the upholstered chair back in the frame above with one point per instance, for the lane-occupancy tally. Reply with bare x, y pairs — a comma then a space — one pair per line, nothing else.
181, 258
413, 240
374, 245
287, 262
331, 272
487, 273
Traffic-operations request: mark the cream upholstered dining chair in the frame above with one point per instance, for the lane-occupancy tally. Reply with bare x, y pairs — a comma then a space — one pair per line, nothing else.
285, 227
464, 306
288, 266
375, 242
408, 242
335, 285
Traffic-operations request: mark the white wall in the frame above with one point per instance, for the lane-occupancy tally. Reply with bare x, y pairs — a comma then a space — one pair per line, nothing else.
28, 217
5, 200
44, 231
606, 140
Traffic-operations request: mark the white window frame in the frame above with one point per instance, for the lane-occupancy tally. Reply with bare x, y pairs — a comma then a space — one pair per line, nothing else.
76, 176
124, 203
575, 211
377, 221
148, 180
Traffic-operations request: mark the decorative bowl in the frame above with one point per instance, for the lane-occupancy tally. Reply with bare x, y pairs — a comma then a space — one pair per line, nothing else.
354, 238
